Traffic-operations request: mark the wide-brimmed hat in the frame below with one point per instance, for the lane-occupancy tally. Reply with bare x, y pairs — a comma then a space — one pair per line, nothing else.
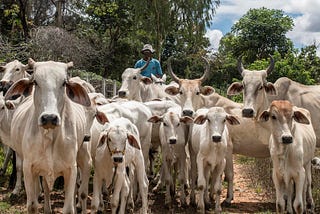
147, 47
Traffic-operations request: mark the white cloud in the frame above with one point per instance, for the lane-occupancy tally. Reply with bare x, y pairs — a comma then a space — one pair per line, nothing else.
306, 30
214, 38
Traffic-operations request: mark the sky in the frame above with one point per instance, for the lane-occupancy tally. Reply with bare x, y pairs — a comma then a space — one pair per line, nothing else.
305, 14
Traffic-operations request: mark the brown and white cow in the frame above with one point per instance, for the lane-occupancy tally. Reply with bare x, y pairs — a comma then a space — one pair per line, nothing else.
292, 146
48, 128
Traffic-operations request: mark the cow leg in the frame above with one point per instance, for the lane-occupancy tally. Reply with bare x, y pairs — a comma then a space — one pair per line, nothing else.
124, 194
84, 163
46, 190
299, 183
182, 177
278, 183
193, 160
228, 171
143, 182
70, 178
30, 181
201, 183
308, 192
19, 165
119, 180
97, 187
217, 185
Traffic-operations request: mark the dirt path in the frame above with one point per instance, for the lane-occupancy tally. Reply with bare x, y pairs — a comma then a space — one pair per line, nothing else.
247, 199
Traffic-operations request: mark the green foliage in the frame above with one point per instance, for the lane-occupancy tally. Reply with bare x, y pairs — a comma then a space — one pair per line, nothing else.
258, 33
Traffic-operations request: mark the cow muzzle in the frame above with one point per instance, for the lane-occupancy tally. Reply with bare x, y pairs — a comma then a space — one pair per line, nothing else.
117, 159
216, 138
122, 94
187, 112
247, 112
287, 139
49, 121
172, 141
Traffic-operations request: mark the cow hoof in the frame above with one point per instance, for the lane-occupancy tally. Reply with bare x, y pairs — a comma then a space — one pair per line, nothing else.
225, 204
78, 209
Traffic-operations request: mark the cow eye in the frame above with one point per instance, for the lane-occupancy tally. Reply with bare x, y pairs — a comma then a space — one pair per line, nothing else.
134, 77
35, 83
180, 92
273, 117
165, 124
64, 83
261, 87
178, 124
197, 93
17, 69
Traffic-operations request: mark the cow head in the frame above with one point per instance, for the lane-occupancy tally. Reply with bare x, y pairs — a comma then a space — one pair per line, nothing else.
281, 113
131, 83
171, 125
115, 138
189, 91
255, 88
215, 118
50, 87
12, 72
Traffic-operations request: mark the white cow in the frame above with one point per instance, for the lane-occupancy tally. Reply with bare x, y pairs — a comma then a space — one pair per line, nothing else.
134, 86
12, 72
47, 130
172, 132
210, 139
292, 145
136, 112
119, 147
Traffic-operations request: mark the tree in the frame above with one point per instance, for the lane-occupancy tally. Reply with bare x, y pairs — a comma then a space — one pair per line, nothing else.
260, 32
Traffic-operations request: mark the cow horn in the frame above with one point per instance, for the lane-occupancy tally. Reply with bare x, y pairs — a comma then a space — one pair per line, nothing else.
31, 63
145, 65
173, 76
271, 66
206, 72
240, 65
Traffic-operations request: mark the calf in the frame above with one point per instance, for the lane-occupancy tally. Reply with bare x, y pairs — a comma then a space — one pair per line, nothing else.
172, 134
119, 147
292, 145
209, 140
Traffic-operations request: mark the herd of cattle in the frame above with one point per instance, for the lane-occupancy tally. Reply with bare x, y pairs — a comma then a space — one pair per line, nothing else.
59, 126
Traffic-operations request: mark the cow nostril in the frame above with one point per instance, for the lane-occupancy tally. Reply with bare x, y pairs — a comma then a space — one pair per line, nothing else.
286, 139
118, 159
172, 141
247, 112
187, 113
216, 138
122, 93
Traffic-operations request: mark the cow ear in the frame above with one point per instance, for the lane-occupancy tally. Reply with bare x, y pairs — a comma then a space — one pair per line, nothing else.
155, 119
264, 116
235, 88
78, 94
270, 89
300, 117
101, 117
21, 87
200, 119
207, 90
232, 120
102, 139
186, 120
146, 80
133, 141
164, 78
10, 105
154, 78
172, 90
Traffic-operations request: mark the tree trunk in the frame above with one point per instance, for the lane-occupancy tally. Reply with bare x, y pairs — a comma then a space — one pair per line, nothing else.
23, 18
59, 13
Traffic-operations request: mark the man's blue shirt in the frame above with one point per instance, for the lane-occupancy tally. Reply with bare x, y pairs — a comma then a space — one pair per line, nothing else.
153, 67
